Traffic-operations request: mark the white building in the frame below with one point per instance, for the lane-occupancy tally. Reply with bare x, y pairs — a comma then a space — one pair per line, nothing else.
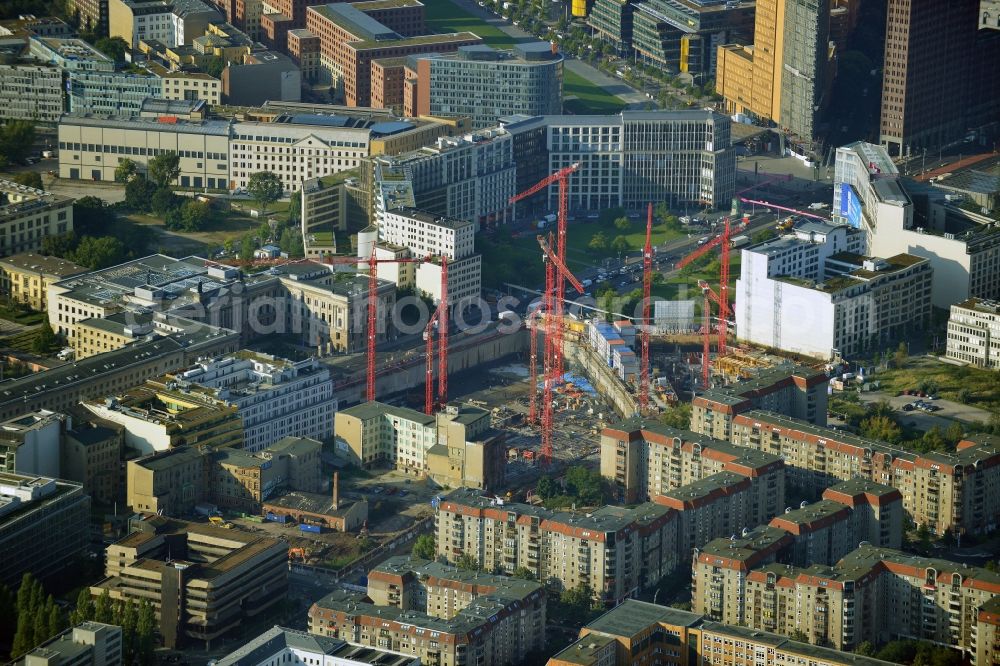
427, 234
29, 444
70, 55
87, 644
30, 92
963, 247
613, 344
974, 333
277, 398
812, 293
298, 648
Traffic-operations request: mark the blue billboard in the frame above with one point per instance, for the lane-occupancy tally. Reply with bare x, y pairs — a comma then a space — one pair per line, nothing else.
850, 206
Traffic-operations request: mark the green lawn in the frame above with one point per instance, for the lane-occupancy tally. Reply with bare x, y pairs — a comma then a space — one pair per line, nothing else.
444, 16
590, 98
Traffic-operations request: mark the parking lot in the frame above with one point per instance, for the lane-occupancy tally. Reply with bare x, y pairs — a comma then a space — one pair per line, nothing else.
942, 417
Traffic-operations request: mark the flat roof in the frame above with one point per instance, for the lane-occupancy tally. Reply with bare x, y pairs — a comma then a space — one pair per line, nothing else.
276, 640
631, 617
181, 126
352, 19
40, 263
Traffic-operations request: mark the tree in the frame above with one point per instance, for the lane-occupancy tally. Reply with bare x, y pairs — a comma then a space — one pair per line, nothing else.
98, 252
677, 416
798, 635
16, 139
145, 632
126, 170
46, 339
91, 216
901, 354
247, 247
56, 620
881, 427
59, 245
139, 194
546, 488
164, 201
584, 484
265, 187
865, 649
24, 634
924, 535
40, 627
620, 245
164, 169
468, 562
84, 608
195, 215
622, 224
932, 439
113, 47
524, 573
291, 243
29, 179
295, 208
102, 608
214, 67
598, 242
424, 547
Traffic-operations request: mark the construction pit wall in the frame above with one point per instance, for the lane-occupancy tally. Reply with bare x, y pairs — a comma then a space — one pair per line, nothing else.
602, 376
465, 352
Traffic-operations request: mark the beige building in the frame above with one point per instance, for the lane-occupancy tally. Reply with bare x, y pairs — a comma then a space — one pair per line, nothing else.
442, 614
171, 482
25, 278
646, 458
328, 204
973, 333
202, 580
92, 454
616, 551
799, 392
455, 447
28, 215
873, 594
957, 492
988, 633
637, 632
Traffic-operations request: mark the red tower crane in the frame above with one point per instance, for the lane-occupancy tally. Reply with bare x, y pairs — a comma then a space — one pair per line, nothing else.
553, 265
647, 285
561, 177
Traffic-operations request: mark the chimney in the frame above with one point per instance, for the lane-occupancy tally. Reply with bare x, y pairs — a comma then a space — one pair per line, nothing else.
336, 490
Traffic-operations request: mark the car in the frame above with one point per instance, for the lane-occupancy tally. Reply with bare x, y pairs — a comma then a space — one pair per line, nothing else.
624, 284
932, 408
908, 407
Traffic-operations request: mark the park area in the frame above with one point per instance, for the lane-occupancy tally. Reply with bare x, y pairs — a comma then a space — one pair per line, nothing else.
582, 96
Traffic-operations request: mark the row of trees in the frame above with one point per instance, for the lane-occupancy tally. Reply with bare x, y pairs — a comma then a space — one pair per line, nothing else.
99, 238
579, 485
28, 618
138, 623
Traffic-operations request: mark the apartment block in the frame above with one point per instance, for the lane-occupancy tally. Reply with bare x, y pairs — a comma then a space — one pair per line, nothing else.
31, 92
41, 515
171, 482
613, 550
87, 644
25, 278
851, 303
350, 39
279, 645
456, 447
646, 458
202, 580
973, 333
173, 22
275, 397
28, 215
872, 595
483, 83
640, 632
799, 392
899, 216
438, 613
618, 155
954, 492
91, 453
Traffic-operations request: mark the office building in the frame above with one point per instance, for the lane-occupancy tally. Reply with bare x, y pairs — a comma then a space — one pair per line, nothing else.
973, 333
485, 84
25, 278
92, 14
873, 594
800, 392
437, 613
279, 645
645, 459
426, 178
29, 444
87, 644
30, 92
852, 303
69, 55
636, 631
946, 491
783, 76
111, 93
614, 550
350, 39
275, 397
202, 580
327, 205
940, 78
28, 215
90, 147
97, 335
260, 76
41, 515
91, 454
621, 158
681, 36
456, 447
905, 217
173, 22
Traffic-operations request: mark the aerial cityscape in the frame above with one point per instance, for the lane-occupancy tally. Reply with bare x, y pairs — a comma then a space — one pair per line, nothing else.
499, 332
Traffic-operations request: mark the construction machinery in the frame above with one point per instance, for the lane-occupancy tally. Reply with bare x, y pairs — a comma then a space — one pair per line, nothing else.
553, 265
